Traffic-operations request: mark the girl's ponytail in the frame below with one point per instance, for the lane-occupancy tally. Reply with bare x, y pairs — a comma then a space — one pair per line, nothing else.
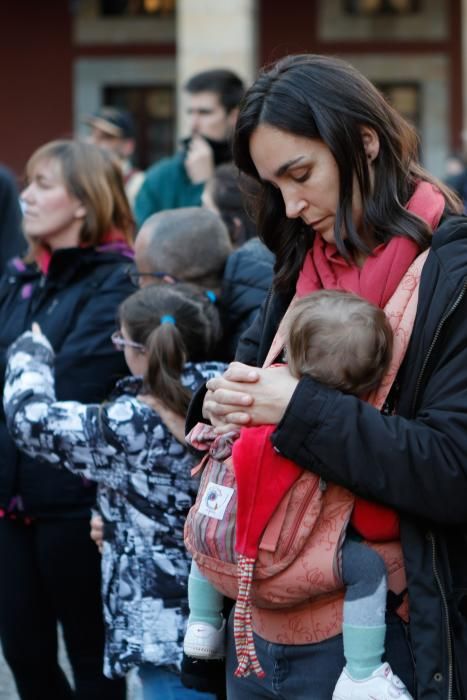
167, 356
175, 324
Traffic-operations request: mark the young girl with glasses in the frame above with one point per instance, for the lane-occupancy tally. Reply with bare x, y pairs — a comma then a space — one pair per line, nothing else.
133, 446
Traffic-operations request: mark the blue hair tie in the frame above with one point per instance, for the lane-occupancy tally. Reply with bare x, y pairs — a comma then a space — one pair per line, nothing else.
211, 295
167, 319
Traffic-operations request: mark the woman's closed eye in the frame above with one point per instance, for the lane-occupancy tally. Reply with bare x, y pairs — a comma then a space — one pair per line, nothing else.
43, 183
301, 175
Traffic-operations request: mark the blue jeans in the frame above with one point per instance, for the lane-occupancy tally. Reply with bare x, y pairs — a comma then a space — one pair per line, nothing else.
161, 684
310, 671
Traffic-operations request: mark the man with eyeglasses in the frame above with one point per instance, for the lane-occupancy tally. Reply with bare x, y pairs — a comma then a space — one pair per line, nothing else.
182, 245
189, 244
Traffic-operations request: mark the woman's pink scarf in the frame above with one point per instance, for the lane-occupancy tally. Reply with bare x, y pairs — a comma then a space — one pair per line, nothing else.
113, 236
377, 280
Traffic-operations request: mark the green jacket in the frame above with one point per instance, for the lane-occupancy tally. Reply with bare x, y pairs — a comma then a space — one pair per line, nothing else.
166, 186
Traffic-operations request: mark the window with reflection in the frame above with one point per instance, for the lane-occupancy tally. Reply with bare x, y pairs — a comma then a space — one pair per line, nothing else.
137, 8
153, 111
381, 7
405, 97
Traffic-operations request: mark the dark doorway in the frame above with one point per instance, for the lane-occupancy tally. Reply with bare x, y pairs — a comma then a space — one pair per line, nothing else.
153, 110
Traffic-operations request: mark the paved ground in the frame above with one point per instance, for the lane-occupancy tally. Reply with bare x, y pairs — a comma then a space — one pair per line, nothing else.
8, 689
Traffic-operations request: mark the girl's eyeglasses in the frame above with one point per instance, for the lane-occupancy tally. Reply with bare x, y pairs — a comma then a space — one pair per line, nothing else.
119, 342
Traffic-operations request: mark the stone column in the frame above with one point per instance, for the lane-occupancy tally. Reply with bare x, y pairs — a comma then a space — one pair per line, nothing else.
215, 34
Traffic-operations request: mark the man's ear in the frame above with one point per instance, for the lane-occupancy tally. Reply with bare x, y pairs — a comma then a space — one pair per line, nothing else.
370, 142
237, 234
127, 148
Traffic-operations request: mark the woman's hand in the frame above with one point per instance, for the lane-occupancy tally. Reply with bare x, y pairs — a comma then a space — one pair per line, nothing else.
248, 396
36, 329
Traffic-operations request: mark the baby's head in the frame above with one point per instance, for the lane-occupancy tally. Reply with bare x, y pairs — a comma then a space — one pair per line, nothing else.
339, 339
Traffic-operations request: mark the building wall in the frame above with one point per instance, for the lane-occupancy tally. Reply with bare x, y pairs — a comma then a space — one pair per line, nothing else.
215, 34
423, 49
56, 65
35, 77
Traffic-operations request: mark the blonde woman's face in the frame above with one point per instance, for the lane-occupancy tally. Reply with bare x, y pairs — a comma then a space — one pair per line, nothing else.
51, 214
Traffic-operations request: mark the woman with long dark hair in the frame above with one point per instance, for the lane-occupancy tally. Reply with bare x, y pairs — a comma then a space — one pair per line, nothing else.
346, 205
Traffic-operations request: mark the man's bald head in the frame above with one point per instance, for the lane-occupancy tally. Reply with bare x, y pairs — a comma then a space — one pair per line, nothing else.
190, 244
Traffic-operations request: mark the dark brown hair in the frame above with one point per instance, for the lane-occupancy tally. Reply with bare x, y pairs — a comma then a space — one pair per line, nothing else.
147, 316
320, 97
339, 339
222, 81
233, 194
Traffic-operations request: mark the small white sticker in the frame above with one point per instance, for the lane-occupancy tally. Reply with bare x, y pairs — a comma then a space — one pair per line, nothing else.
215, 500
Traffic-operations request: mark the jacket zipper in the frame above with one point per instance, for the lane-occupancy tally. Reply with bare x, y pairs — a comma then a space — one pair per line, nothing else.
304, 506
431, 536
429, 353
445, 613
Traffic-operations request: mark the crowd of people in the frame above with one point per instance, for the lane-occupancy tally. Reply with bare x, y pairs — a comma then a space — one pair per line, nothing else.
289, 288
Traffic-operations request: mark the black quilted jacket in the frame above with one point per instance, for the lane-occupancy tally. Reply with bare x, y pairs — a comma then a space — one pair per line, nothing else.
75, 305
415, 461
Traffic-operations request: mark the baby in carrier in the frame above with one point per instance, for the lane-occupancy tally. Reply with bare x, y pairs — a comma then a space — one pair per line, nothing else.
344, 342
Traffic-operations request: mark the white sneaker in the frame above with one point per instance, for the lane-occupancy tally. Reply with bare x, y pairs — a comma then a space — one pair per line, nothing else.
204, 641
383, 684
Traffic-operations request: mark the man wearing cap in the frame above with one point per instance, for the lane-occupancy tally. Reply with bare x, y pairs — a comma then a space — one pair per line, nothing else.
113, 129
178, 181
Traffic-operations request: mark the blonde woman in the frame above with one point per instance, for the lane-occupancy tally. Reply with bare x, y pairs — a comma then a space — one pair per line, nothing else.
72, 280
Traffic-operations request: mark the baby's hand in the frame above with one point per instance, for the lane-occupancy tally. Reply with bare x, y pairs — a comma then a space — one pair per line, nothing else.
36, 329
97, 531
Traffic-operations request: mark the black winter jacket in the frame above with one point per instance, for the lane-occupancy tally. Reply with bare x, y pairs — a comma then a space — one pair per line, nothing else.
12, 241
415, 461
247, 278
75, 305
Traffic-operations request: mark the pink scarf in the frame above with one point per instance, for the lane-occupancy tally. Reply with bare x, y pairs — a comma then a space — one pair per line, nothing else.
377, 280
113, 236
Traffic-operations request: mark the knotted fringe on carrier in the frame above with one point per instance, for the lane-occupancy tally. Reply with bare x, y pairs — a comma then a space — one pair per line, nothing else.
243, 627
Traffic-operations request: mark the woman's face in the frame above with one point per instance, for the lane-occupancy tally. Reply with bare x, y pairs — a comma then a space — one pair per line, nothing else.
306, 173
51, 213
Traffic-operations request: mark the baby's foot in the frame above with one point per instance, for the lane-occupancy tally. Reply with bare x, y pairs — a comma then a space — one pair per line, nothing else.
204, 641
383, 684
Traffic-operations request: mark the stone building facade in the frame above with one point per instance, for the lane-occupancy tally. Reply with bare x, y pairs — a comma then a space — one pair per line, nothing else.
66, 59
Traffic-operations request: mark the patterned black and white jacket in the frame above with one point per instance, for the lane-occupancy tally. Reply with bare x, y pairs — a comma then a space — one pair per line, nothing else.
144, 493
